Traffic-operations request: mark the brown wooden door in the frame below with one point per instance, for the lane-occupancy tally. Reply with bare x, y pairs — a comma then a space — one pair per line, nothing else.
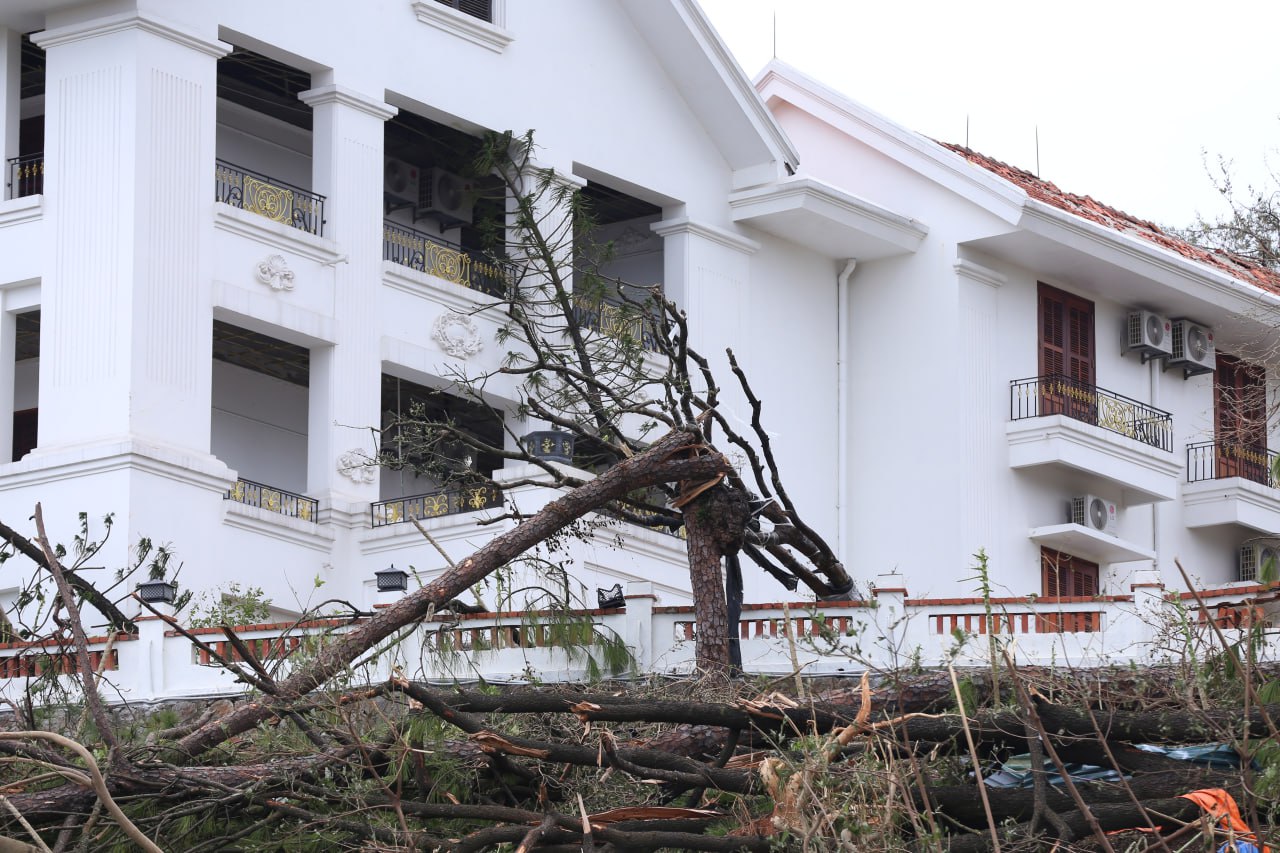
1066, 362
1240, 417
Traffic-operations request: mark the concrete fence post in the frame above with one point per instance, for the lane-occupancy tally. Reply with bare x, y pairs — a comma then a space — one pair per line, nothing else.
639, 637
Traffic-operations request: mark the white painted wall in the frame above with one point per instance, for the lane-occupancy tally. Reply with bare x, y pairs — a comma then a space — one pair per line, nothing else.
259, 426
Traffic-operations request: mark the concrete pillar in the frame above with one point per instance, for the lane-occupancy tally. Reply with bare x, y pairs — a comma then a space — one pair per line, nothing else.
345, 393
8, 339
126, 319
639, 637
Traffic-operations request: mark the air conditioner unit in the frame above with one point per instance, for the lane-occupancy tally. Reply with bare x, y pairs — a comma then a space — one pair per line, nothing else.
1254, 557
446, 196
400, 183
1148, 334
1094, 513
1193, 348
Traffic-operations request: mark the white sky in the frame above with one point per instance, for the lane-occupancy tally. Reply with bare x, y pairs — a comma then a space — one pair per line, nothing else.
1126, 93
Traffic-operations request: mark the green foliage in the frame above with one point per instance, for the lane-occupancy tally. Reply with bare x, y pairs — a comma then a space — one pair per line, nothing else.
229, 604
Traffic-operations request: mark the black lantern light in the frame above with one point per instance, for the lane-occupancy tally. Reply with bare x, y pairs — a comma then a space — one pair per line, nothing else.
158, 592
611, 598
551, 444
392, 579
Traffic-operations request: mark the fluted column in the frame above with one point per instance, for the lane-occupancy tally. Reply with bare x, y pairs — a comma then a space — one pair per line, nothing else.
10, 91
126, 322
345, 393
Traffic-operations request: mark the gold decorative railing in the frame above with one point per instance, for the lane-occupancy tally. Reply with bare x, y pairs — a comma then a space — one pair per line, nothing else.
269, 198
1217, 460
26, 175
617, 321
435, 504
271, 499
435, 256
1061, 395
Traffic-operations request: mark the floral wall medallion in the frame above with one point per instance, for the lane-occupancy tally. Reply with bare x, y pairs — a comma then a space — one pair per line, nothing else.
356, 466
457, 334
275, 273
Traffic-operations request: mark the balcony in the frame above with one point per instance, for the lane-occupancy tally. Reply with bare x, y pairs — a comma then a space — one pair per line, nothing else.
435, 256
1057, 421
617, 320
25, 175
1231, 483
269, 198
274, 500
435, 504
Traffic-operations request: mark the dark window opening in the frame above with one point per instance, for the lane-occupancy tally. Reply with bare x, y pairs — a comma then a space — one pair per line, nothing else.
423, 457
261, 353
26, 418
482, 9
264, 85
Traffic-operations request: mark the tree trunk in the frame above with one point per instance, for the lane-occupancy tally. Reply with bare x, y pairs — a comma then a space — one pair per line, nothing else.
715, 521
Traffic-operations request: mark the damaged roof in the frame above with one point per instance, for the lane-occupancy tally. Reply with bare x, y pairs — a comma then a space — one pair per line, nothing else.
1095, 211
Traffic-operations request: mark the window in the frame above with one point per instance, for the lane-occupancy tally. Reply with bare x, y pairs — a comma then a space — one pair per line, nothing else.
1240, 418
1065, 575
482, 9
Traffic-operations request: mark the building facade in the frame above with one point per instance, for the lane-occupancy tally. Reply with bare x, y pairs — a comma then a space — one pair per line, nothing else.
236, 242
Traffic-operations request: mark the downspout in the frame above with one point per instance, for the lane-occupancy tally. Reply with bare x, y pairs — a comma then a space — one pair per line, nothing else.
843, 385
1153, 394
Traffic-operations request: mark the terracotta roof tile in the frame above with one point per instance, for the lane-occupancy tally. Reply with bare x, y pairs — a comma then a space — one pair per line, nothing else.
1095, 211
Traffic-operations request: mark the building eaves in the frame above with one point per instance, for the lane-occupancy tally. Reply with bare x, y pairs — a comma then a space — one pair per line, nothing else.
1094, 211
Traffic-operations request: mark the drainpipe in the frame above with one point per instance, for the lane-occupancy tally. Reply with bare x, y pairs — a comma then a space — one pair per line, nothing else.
1153, 394
843, 385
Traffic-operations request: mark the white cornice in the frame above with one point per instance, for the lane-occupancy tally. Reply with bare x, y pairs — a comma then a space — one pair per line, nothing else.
464, 26
277, 526
335, 94
48, 466
275, 234
685, 225
1041, 213
127, 21
977, 272
454, 297
21, 210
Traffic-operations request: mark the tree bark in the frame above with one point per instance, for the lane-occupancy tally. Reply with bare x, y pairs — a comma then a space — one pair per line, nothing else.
715, 521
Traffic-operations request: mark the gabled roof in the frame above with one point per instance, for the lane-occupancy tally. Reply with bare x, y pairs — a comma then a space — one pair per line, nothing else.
1095, 211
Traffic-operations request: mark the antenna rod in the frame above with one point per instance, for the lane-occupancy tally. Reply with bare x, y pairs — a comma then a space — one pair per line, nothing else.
775, 33
1037, 150
966, 130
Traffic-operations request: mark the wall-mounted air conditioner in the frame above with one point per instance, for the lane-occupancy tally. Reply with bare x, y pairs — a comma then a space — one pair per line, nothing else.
1148, 334
1254, 557
446, 196
400, 183
1094, 513
1193, 348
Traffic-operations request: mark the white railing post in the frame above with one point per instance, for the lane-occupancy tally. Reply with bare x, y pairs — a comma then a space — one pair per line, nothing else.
890, 615
639, 637
1150, 609
142, 660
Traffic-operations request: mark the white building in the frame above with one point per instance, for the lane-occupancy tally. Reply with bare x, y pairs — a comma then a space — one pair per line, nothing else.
219, 270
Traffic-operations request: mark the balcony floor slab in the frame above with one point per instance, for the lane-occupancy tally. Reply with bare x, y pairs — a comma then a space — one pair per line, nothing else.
1231, 500
1091, 544
1143, 473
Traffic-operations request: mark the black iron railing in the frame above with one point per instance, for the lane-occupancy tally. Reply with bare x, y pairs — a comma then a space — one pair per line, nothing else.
1061, 395
267, 197
617, 320
26, 175
435, 504
427, 253
1216, 460
272, 499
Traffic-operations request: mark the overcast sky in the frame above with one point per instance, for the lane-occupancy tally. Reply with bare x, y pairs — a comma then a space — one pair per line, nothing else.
1126, 94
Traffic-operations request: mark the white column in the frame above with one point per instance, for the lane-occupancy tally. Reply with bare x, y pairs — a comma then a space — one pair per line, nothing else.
10, 92
8, 340
345, 393
126, 317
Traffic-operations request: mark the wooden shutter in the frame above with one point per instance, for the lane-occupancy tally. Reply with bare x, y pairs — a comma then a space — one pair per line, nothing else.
1240, 414
1066, 335
1064, 575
